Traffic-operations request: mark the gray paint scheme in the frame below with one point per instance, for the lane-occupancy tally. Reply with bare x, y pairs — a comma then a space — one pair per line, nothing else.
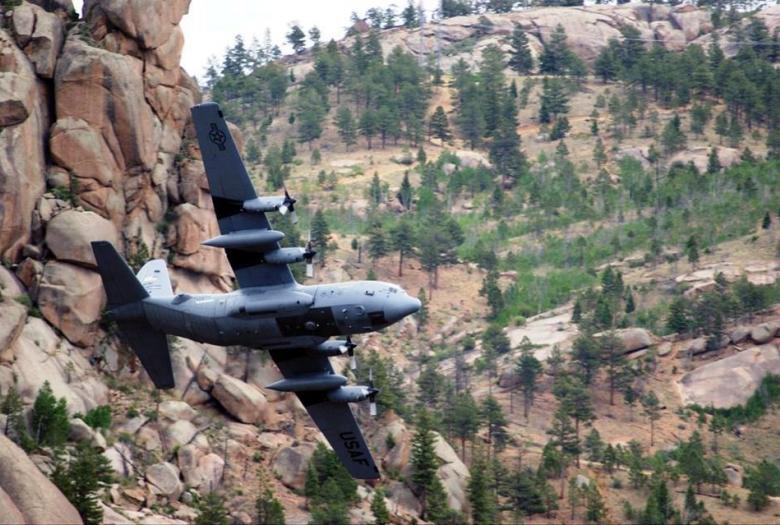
270, 312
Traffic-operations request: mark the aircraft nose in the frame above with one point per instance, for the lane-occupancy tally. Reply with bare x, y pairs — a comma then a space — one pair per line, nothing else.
397, 308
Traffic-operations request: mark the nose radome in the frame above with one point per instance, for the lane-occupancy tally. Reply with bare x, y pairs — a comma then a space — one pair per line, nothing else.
397, 308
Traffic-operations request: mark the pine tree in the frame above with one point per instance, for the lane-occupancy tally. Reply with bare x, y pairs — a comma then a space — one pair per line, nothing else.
81, 478
528, 370
553, 100
495, 423
405, 192
505, 153
368, 126
410, 16
713, 162
268, 508
524, 493
331, 509
346, 125
678, 320
556, 57
50, 423
377, 241
599, 153
520, 59
320, 235
673, 138
463, 419
722, 125
440, 126
613, 355
15, 425
652, 410
564, 440
481, 495
594, 446
402, 238
379, 508
692, 250
297, 39
423, 459
492, 292
586, 355
422, 313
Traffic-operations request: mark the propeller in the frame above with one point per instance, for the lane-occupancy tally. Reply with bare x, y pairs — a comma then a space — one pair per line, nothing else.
372, 393
349, 349
308, 256
288, 205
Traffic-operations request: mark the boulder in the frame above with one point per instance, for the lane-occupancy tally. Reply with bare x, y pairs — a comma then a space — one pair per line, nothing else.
69, 234
24, 120
40, 35
700, 157
731, 381
72, 299
190, 228
697, 346
148, 438
692, 21
180, 433
175, 410
106, 91
83, 150
201, 471
164, 480
12, 319
41, 355
733, 474
29, 491
11, 514
472, 159
243, 401
188, 358
763, 333
80, 431
291, 463
739, 334
149, 23
664, 349
632, 339
402, 497
120, 457
454, 475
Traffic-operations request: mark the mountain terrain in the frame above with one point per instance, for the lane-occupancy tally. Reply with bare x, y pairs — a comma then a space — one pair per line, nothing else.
595, 243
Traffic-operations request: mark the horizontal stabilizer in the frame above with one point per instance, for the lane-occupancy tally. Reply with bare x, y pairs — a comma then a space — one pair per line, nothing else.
151, 347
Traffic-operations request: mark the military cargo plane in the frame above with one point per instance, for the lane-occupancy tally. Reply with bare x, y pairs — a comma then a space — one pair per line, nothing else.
270, 311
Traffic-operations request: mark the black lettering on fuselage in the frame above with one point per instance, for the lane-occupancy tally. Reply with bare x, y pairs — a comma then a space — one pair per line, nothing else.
353, 447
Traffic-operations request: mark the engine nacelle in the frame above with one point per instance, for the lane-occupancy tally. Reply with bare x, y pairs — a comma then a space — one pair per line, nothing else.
263, 204
349, 394
285, 256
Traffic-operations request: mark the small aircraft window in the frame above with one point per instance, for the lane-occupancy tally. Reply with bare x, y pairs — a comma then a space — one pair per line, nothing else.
370, 292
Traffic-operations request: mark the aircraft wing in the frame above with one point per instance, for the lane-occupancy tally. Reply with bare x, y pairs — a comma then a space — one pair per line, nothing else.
230, 187
335, 420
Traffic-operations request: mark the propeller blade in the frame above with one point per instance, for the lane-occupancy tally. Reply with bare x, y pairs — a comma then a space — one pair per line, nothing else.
352, 362
283, 209
293, 216
309, 270
372, 409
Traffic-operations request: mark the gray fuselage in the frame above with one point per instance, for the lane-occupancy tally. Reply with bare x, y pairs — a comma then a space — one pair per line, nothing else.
280, 317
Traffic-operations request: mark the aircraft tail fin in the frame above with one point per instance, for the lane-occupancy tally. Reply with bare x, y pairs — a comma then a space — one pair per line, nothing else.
155, 279
123, 289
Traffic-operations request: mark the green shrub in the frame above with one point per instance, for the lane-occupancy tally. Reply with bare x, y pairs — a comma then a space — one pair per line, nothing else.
99, 417
50, 424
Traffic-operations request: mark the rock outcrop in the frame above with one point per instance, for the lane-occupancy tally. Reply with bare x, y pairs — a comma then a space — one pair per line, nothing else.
243, 401
730, 381
69, 234
28, 493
